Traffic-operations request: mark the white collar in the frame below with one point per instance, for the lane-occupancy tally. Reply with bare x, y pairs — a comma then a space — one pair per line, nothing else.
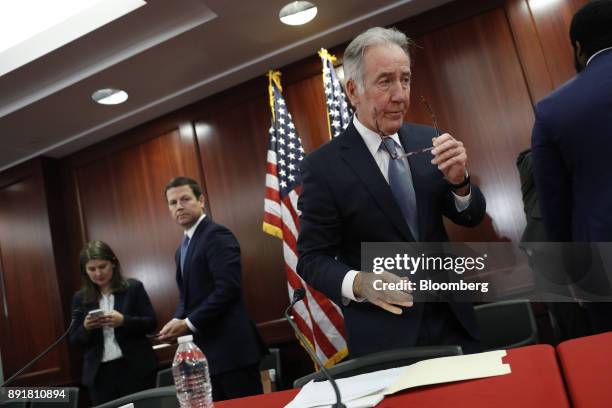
371, 138
596, 54
191, 230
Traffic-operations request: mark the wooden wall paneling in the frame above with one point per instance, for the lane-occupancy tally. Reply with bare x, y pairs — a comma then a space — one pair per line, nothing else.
552, 20
69, 276
32, 318
445, 15
471, 75
59, 241
122, 203
530, 50
233, 145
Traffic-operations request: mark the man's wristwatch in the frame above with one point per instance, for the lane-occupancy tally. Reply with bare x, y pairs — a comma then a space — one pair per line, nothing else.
465, 182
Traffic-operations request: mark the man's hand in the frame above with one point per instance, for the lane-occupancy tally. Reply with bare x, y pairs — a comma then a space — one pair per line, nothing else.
451, 158
366, 286
113, 319
173, 329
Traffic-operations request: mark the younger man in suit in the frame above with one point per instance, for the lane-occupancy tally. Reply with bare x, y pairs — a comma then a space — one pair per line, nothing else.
208, 275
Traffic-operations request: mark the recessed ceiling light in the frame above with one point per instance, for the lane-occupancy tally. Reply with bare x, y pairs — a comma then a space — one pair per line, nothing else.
297, 13
109, 96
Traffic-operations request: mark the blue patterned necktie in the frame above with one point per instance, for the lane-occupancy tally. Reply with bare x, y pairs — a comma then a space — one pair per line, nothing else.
400, 181
184, 246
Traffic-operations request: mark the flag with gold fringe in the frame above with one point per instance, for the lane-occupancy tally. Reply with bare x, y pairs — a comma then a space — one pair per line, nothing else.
317, 317
338, 110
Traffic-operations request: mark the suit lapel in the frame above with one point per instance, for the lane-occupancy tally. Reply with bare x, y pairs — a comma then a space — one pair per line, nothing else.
119, 300
356, 154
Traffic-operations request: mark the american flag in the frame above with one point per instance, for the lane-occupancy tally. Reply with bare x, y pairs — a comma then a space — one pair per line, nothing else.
317, 317
338, 111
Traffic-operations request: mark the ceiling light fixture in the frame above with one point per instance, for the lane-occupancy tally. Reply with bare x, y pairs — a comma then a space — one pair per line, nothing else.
297, 13
30, 29
109, 96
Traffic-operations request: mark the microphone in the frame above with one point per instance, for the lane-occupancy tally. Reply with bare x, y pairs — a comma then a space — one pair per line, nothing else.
298, 295
75, 314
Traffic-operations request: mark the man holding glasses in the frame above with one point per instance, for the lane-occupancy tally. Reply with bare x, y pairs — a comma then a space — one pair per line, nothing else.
384, 180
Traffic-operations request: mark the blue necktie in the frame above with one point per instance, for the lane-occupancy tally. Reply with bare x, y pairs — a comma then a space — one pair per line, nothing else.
184, 246
400, 181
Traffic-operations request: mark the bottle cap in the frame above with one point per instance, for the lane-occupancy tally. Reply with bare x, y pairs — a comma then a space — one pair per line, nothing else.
185, 339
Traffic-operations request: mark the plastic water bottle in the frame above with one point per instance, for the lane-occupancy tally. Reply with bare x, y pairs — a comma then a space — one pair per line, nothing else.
191, 375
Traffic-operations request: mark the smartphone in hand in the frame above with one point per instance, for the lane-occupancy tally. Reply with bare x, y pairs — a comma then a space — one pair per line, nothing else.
95, 313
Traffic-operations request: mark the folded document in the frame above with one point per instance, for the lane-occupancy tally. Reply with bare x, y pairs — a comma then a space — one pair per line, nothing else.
367, 390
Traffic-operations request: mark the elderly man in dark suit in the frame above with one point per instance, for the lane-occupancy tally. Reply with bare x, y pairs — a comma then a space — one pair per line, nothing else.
211, 306
359, 188
571, 141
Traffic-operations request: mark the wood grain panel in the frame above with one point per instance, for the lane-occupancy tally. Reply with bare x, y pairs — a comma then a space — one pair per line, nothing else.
530, 50
31, 309
233, 145
306, 102
552, 20
471, 75
122, 203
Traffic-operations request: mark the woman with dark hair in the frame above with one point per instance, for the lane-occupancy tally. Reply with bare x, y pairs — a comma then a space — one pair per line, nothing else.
118, 358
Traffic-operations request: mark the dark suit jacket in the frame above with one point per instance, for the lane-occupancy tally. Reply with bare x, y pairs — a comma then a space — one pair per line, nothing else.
211, 297
139, 317
571, 144
534, 230
346, 200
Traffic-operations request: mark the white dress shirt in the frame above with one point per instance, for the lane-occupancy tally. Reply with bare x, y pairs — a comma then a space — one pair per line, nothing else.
382, 158
111, 350
189, 233
596, 54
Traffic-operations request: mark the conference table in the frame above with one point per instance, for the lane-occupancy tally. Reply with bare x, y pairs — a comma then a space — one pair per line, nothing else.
586, 364
535, 381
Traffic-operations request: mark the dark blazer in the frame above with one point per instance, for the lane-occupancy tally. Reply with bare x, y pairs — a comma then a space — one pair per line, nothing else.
534, 230
140, 320
211, 297
346, 200
571, 144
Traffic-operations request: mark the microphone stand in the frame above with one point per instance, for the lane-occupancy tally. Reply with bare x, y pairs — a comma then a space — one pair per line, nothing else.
298, 295
75, 314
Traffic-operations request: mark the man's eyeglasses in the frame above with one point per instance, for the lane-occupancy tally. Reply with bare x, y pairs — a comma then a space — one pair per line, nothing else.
395, 155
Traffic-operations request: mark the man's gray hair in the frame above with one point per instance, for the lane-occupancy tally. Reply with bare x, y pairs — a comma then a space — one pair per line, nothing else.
353, 56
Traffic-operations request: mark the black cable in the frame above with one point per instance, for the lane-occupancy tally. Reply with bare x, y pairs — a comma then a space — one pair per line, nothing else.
75, 314
298, 295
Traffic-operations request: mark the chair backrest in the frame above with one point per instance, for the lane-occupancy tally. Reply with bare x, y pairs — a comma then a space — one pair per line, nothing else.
73, 400
272, 363
164, 378
381, 361
162, 397
507, 324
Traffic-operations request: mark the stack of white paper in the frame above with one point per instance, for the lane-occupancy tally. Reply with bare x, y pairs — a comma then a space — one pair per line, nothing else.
367, 390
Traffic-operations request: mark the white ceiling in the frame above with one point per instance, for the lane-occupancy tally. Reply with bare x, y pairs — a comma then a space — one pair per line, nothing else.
166, 54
